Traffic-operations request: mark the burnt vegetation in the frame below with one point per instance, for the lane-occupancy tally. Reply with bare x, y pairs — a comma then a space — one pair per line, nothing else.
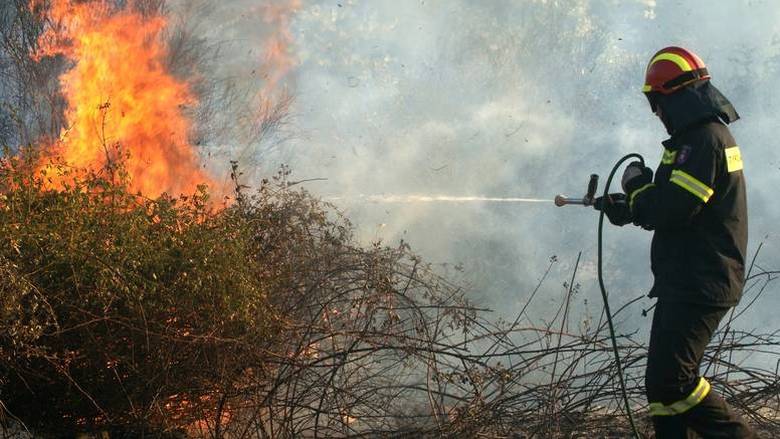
264, 318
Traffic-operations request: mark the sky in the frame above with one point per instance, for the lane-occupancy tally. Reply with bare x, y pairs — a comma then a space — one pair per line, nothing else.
506, 99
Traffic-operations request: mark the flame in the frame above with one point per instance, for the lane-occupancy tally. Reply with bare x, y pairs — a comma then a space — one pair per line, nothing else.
123, 104
277, 59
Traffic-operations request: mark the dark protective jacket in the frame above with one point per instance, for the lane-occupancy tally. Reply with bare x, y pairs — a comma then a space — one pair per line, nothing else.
696, 203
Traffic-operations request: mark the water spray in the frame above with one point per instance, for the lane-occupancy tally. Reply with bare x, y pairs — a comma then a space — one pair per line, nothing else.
559, 200
408, 199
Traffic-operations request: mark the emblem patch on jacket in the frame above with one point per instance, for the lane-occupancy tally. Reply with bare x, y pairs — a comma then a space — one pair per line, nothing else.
733, 159
683, 154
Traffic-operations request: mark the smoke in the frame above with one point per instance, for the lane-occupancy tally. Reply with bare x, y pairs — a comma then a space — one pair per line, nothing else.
243, 61
505, 99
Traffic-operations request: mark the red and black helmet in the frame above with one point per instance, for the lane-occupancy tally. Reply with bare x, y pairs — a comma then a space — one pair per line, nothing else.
671, 69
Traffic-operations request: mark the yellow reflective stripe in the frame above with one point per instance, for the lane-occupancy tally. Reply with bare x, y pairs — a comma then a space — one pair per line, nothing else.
637, 192
668, 157
699, 393
647, 88
673, 57
733, 159
691, 184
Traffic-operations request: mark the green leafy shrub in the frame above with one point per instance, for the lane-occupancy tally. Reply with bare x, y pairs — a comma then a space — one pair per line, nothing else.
118, 309
198, 317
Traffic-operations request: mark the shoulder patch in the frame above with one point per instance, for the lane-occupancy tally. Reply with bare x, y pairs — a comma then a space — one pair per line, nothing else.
668, 157
733, 159
683, 154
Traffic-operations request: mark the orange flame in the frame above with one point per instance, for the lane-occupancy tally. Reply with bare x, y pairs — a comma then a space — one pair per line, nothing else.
122, 101
278, 60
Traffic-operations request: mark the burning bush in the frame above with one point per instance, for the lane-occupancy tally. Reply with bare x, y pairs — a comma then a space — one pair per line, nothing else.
174, 315
121, 305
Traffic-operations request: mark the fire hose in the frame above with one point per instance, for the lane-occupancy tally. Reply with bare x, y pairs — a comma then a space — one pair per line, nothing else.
588, 200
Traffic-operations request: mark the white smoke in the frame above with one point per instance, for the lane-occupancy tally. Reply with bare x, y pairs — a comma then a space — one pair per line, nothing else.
513, 99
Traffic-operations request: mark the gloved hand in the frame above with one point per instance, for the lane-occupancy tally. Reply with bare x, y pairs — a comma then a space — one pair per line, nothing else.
615, 207
635, 176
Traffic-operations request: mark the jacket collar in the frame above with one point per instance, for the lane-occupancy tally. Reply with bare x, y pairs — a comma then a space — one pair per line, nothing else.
673, 143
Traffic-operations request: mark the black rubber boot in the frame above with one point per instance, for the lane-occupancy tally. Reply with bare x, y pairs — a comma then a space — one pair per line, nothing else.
672, 427
714, 419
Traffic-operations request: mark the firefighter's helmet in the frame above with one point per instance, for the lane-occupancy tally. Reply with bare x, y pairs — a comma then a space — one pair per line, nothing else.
671, 69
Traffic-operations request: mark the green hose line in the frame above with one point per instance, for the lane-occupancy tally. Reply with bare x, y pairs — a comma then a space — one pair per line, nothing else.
605, 296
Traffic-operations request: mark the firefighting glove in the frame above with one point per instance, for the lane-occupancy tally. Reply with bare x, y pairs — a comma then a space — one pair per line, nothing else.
636, 176
615, 207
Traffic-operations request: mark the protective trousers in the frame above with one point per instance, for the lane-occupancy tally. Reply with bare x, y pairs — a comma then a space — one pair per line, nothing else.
682, 403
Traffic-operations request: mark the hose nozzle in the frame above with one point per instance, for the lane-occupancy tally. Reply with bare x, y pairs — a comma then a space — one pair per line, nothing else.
587, 200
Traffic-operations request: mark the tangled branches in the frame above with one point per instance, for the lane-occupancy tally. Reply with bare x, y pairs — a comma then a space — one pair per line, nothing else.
264, 318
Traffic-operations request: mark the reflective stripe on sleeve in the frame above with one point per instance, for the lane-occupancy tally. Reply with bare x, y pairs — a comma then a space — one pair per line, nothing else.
691, 184
699, 393
637, 192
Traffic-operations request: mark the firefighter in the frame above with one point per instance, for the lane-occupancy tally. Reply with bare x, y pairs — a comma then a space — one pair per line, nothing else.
696, 206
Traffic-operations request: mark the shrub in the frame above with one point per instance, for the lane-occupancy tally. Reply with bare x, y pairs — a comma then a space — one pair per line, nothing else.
195, 316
